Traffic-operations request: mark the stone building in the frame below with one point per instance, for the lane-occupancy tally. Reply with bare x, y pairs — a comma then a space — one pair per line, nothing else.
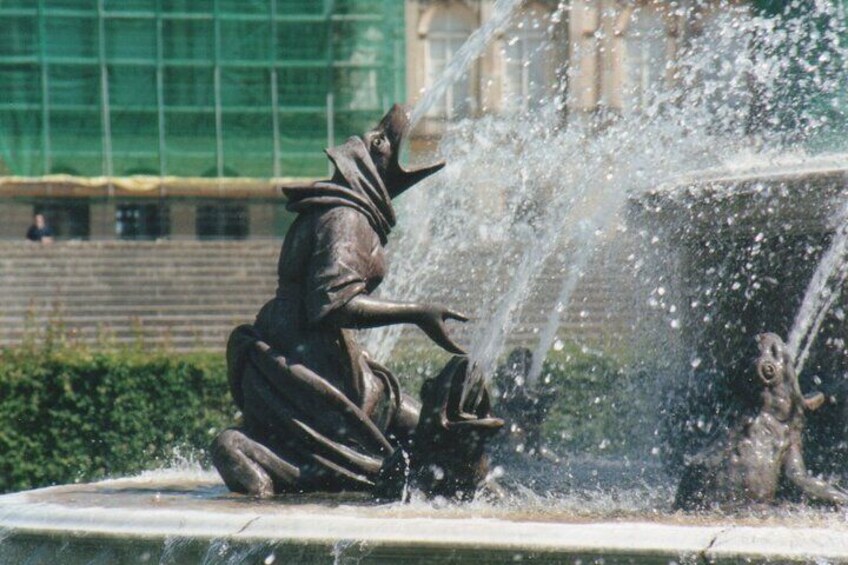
146, 119
212, 105
592, 54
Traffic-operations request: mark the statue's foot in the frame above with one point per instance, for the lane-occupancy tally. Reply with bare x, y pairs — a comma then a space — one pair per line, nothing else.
249, 467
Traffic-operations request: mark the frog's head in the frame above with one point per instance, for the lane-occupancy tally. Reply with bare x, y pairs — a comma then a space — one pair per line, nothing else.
777, 375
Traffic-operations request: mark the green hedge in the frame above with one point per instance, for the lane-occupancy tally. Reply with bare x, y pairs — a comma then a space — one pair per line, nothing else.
74, 415
603, 408
70, 414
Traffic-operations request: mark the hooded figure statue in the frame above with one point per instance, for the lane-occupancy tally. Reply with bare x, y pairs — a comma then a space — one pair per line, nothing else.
318, 413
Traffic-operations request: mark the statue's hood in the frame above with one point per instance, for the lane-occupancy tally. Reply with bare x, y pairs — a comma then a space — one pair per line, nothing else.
356, 184
363, 178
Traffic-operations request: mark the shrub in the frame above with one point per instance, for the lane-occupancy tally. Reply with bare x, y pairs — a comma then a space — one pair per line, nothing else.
74, 415
602, 407
69, 414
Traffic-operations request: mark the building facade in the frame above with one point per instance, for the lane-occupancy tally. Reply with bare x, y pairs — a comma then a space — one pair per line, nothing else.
190, 88
151, 108
591, 55
186, 95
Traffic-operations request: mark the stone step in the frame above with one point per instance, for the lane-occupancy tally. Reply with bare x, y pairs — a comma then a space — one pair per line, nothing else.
138, 250
151, 301
95, 310
67, 284
195, 292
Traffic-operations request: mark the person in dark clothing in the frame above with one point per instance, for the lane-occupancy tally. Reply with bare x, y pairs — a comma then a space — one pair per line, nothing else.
39, 231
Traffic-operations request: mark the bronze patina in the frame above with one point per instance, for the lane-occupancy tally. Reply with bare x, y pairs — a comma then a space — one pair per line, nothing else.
318, 413
761, 456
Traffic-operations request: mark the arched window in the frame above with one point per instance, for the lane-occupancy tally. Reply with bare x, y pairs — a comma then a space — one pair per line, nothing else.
528, 61
449, 28
647, 45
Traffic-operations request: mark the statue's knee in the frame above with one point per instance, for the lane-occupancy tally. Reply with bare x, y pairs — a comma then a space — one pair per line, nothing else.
226, 442
240, 472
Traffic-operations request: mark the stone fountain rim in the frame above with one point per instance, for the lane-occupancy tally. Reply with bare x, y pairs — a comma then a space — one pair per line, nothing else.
23, 514
797, 169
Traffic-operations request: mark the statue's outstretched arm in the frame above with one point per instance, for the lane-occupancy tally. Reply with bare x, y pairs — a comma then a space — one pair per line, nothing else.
368, 312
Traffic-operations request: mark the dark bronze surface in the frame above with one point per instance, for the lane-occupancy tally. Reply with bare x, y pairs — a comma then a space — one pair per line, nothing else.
760, 459
318, 414
525, 408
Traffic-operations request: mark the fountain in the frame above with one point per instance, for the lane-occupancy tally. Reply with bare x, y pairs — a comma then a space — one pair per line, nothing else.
695, 214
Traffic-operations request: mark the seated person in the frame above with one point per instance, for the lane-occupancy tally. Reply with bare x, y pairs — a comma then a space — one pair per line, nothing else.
39, 231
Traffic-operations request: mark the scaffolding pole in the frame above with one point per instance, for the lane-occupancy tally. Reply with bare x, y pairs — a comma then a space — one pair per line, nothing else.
104, 97
219, 117
329, 8
45, 90
160, 92
275, 95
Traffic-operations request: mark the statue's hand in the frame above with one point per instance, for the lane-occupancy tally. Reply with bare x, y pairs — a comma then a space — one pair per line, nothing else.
431, 320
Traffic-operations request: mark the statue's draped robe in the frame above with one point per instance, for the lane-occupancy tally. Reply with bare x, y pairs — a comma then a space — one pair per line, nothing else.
306, 389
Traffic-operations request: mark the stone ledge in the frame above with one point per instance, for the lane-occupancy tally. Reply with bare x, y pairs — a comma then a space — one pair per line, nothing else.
121, 512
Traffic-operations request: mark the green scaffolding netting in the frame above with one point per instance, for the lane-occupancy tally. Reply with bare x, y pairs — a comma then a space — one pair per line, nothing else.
250, 88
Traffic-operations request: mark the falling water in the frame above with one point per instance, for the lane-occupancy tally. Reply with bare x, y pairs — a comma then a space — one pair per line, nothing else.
465, 56
583, 247
414, 240
529, 193
824, 289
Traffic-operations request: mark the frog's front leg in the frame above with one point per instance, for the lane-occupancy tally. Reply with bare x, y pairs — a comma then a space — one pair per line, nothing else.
811, 487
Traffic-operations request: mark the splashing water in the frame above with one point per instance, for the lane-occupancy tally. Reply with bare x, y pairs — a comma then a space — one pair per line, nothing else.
530, 191
465, 56
524, 190
824, 289
414, 239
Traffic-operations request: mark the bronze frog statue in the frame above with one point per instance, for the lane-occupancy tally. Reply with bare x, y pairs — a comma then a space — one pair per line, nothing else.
761, 456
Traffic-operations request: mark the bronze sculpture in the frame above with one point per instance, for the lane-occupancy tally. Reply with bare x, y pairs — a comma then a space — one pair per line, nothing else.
524, 407
318, 413
762, 454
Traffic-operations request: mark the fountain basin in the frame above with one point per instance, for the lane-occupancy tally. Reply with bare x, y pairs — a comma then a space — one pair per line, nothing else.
178, 521
738, 249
